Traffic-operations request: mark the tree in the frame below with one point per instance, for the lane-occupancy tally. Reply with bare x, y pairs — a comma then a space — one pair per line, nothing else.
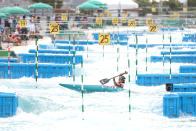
192, 3
173, 4
142, 4
155, 4
59, 3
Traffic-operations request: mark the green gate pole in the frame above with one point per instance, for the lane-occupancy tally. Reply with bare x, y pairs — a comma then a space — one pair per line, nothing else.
118, 50
136, 57
82, 90
74, 52
170, 70
163, 41
36, 66
69, 55
129, 77
146, 54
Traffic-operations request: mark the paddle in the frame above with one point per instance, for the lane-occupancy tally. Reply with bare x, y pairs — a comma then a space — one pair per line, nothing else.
106, 80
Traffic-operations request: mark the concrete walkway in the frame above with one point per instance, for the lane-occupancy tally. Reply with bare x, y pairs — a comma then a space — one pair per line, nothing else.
26, 45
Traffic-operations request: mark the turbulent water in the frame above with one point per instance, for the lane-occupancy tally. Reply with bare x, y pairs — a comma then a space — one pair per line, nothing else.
51, 107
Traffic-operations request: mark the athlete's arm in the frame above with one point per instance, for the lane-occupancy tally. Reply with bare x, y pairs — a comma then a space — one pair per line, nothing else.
115, 83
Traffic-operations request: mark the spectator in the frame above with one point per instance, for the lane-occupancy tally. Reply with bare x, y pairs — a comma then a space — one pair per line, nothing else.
32, 29
14, 24
1, 30
24, 31
6, 29
16, 39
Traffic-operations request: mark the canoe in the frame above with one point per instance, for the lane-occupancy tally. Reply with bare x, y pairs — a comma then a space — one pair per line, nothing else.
92, 88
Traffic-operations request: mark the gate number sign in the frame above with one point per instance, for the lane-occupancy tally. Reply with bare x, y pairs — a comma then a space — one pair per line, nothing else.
54, 28
23, 23
153, 28
104, 39
131, 23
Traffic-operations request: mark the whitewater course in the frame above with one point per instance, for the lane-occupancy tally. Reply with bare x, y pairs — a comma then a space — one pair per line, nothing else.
54, 84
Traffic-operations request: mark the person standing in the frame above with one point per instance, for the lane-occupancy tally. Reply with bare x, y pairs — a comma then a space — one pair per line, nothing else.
32, 29
6, 31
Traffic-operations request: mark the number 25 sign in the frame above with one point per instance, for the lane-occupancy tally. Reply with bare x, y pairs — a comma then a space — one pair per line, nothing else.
104, 39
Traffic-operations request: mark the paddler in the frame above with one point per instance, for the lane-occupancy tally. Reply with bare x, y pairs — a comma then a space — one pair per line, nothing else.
121, 80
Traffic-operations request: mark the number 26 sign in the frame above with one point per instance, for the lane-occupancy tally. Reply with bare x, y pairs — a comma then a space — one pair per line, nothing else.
104, 39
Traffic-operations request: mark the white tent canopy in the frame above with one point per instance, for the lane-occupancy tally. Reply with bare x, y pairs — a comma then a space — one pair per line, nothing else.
119, 4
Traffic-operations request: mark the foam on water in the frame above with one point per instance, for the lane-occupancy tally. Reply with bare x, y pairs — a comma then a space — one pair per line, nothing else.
52, 107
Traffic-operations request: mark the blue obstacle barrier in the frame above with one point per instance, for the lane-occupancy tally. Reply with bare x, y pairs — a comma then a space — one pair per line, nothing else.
183, 45
172, 29
46, 46
77, 48
189, 38
60, 46
179, 52
5, 60
18, 70
77, 42
160, 79
166, 46
181, 102
51, 58
176, 59
142, 46
187, 69
52, 51
174, 46
184, 88
8, 104
178, 48
188, 103
171, 105
120, 42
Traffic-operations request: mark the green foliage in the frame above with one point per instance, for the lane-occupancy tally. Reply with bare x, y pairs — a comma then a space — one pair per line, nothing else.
143, 3
173, 4
4, 53
59, 3
192, 3
155, 4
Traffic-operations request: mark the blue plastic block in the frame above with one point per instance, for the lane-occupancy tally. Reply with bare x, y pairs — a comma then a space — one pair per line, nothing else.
51, 58
140, 79
179, 52
187, 69
47, 46
188, 103
182, 88
18, 70
5, 60
8, 104
52, 51
75, 48
142, 46
177, 59
150, 79
171, 105
120, 42
81, 42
